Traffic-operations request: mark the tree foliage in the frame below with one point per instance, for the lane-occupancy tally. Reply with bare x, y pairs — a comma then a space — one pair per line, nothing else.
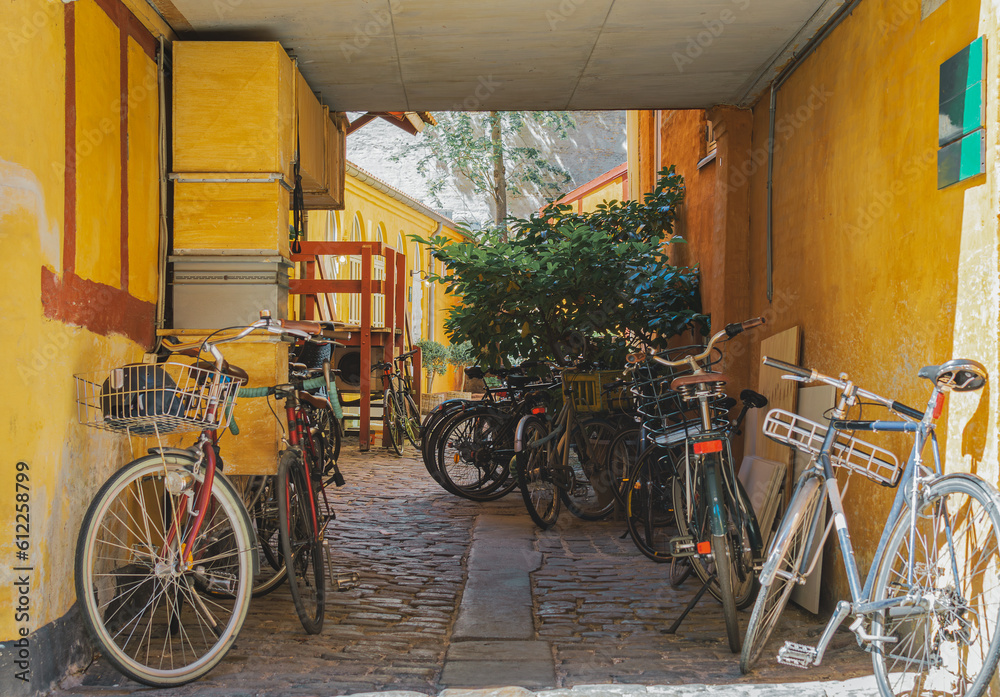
490, 151
566, 285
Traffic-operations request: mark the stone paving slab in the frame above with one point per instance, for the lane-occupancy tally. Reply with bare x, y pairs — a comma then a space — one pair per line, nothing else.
595, 601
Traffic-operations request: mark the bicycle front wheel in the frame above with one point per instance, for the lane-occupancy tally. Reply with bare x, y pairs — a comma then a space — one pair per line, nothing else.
649, 504
392, 421
539, 489
589, 493
411, 419
301, 544
783, 568
474, 456
948, 569
146, 609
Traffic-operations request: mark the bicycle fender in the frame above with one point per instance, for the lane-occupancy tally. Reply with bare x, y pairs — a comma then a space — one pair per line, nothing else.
714, 493
519, 434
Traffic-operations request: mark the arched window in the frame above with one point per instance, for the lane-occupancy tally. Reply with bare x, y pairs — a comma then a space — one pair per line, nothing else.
357, 235
378, 299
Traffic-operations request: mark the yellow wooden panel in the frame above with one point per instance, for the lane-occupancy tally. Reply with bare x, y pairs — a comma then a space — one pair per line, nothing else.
143, 174
233, 107
781, 394
231, 216
98, 146
312, 137
333, 197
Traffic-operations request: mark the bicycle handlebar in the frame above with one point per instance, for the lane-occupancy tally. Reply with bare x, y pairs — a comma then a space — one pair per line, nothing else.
808, 375
729, 332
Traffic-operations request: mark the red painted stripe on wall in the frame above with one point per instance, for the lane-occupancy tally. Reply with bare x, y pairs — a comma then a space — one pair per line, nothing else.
69, 186
123, 86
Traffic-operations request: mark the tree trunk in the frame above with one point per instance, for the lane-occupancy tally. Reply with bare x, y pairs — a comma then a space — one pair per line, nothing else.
499, 175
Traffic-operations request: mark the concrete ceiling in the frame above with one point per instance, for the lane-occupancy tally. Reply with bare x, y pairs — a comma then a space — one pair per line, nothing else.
443, 55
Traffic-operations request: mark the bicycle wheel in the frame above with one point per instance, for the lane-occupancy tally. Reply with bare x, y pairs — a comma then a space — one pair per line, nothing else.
539, 489
392, 422
258, 493
946, 635
431, 429
326, 438
623, 453
474, 456
723, 555
589, 494
143, 606
783, 567
411, 419
649, 507
693, 521
301, 544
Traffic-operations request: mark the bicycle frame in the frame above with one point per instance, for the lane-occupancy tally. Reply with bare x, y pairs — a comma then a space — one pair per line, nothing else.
907, 493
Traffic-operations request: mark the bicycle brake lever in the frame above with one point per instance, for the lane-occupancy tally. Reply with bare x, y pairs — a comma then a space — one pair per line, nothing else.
796, 378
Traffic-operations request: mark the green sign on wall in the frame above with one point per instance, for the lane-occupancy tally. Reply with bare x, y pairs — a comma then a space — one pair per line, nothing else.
961, 136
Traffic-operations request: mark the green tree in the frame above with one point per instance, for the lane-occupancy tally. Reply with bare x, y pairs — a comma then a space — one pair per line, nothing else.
568, 285
433, 359
491, 151
461, 356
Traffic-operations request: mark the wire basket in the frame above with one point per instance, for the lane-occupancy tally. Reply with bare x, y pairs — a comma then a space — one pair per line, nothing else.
588, 390
850, 453
147, 399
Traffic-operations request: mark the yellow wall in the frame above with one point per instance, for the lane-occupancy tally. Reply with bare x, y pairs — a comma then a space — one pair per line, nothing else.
78, 321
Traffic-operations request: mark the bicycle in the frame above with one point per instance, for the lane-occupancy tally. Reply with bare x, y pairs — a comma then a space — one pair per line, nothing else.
930, 604
562, 461
475, 446
400, 415
718, 530
165, 557
305, 468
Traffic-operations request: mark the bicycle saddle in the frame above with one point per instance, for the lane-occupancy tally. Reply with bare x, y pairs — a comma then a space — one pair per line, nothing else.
753, 400
474, 372
958, 375
698, 379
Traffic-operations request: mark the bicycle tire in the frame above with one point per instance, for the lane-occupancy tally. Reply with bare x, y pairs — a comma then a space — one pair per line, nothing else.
133, 613
746, 593
649, 508
785, 557
539, 490
301, 545
722, 552
259, 495
411, 419
468, 458
952, 648
392, 425
431, 429
589, 496
623, 453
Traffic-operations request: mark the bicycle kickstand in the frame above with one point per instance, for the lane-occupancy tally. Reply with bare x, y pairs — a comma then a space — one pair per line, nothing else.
672, 629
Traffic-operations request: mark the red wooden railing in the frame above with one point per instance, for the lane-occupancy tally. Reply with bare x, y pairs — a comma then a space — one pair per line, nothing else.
393, 338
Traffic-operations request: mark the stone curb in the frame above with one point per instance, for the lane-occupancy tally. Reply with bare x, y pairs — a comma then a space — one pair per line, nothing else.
857, 687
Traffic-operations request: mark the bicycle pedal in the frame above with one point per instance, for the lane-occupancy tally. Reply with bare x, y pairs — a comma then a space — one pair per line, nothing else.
799, 655
683, 547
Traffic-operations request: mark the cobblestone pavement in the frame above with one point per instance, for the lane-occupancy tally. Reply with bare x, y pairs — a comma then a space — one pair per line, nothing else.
598, 604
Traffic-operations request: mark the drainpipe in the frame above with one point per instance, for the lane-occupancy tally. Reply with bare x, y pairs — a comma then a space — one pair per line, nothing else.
161, 293
783, 76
